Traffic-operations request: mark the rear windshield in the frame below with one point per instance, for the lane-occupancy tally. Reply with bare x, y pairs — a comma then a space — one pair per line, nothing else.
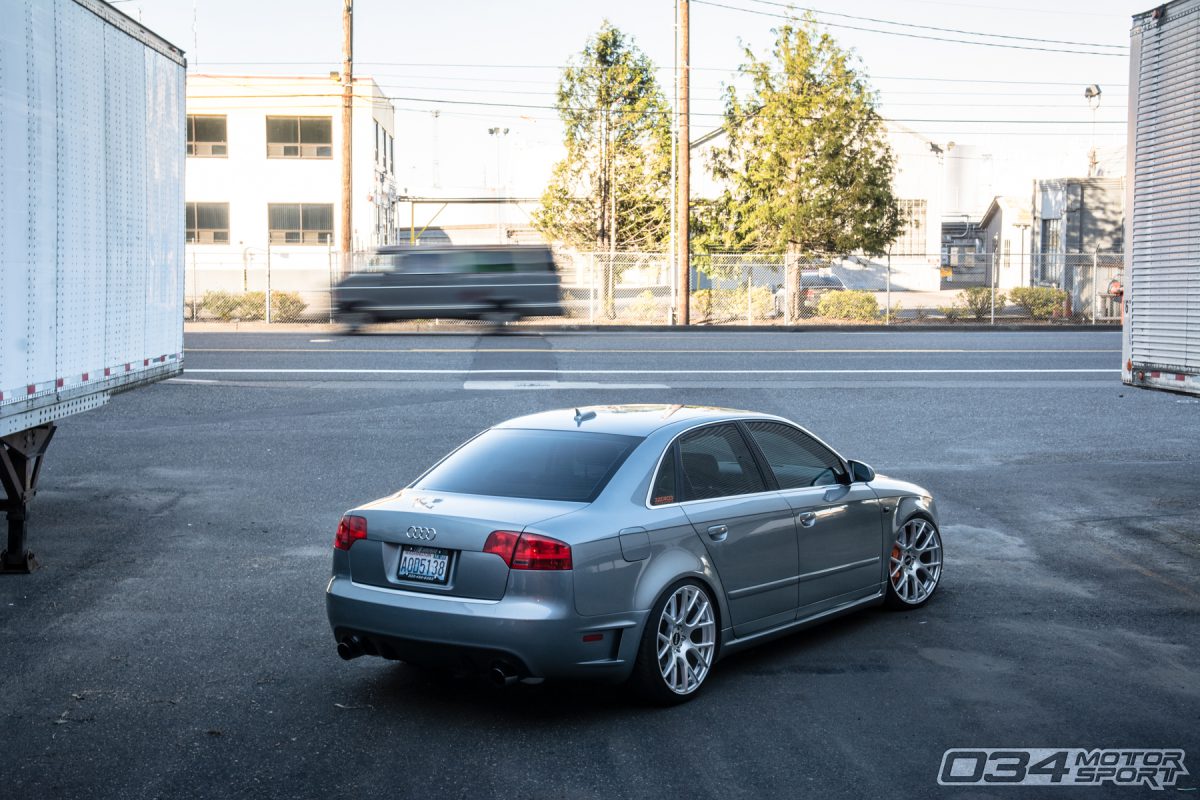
541, 465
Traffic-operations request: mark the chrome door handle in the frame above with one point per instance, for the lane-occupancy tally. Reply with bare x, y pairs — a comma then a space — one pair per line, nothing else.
807, 519
718, 533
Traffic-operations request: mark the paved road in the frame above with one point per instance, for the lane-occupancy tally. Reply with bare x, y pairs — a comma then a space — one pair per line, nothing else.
174, 644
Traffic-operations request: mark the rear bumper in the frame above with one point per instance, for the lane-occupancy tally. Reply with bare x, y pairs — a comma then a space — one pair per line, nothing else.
538, 636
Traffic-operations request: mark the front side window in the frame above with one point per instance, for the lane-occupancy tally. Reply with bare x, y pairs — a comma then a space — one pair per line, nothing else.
300, 223
544, 465
206, 136
717, 463
208, 223
796, 459
299, 137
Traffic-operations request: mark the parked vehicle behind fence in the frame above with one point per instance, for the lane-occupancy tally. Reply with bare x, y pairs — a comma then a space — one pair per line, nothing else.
495, 284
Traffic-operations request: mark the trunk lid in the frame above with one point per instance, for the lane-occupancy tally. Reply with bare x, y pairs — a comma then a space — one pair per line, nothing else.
416, 533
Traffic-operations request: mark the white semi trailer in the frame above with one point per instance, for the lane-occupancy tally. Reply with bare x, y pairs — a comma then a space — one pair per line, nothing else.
1162, 243
91, 225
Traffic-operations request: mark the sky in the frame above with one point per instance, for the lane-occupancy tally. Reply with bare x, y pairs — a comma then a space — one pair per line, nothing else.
482, 65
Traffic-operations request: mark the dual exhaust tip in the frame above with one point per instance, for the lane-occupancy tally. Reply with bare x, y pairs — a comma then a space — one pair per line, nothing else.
501, 673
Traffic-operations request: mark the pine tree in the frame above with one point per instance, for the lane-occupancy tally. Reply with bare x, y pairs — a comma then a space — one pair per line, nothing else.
806, 164
612, 190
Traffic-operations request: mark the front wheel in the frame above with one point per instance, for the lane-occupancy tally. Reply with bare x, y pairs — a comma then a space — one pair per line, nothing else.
915, 565
678, 645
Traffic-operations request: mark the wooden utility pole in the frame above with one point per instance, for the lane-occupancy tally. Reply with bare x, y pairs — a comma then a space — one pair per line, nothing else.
347, 243
683, 193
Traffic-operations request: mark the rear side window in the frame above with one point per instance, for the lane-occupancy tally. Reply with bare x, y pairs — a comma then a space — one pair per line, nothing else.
796, 458
541, 465
717, 463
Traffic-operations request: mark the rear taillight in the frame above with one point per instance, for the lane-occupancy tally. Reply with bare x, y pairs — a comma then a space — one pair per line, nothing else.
350, 529
528, 550
502, 543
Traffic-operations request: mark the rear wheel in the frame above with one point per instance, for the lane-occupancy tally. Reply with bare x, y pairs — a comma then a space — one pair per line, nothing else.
355, 320
678, 645
915, 565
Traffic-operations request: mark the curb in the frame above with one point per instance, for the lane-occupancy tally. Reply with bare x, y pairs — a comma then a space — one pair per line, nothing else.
1022, 327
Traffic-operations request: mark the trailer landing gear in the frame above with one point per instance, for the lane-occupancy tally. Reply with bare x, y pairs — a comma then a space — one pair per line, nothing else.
20, 462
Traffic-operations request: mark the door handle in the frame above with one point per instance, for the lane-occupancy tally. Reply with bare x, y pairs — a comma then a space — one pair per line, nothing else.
718, 532
807, 519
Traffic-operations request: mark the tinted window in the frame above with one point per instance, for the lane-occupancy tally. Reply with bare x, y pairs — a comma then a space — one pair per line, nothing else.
717, 463
543, 465
795, 458
664, 484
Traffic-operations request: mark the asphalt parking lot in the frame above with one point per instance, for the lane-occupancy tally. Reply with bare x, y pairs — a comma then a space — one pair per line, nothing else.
174, 643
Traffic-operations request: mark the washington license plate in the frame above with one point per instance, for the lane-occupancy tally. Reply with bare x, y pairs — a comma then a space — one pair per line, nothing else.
429, 564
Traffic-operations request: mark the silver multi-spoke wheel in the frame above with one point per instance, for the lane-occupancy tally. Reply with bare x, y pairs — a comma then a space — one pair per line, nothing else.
916, 562
687, 637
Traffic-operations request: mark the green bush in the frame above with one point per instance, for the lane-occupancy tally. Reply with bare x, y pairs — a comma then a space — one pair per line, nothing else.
1039, 302
221, 305
228, 306
646, 308
251, 306
702, 303
850, 304
977, 301
951, 313
762, 302
286, 306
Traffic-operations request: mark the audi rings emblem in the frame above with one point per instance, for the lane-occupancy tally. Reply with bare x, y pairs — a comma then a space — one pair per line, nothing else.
424, 534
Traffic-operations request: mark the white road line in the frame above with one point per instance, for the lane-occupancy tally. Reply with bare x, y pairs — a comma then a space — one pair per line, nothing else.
186, 380
279, 371
487, 386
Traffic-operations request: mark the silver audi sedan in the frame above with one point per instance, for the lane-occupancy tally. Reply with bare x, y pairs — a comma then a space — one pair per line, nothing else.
632, 542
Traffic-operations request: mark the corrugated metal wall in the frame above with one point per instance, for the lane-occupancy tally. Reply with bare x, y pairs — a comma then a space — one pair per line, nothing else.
1164, 324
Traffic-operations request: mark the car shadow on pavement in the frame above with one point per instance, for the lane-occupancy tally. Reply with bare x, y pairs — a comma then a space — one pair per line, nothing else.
403, 688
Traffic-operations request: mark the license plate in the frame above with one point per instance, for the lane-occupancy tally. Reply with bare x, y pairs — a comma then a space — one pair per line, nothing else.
428, 564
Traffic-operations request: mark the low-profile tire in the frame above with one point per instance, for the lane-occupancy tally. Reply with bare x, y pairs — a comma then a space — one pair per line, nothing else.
354, 320
914, 563
500, 315
679, 645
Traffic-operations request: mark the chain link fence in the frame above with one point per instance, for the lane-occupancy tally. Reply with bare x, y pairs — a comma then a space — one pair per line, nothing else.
234, 284
280, 285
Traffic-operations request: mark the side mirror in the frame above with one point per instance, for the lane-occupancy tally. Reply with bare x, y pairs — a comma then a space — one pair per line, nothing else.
860, 472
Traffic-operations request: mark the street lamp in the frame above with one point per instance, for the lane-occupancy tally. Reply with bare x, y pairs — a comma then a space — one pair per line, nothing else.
1022, 227
1092, 95
498, 133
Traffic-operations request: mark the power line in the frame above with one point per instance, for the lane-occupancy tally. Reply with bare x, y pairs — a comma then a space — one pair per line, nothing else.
473, 78
934, 27
911, 35
317, 96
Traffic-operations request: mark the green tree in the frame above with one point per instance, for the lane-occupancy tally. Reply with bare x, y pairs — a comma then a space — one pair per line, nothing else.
806, 163
612, 190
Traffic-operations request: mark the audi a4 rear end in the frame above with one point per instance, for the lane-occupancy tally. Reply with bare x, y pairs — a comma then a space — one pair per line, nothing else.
625, 543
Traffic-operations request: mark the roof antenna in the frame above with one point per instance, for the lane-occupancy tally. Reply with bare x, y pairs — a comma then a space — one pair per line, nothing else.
583, 416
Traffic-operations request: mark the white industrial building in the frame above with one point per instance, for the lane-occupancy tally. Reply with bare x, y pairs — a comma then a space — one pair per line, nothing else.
264, 179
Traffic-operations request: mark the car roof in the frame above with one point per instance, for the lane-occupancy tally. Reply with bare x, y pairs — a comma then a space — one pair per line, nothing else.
629, 419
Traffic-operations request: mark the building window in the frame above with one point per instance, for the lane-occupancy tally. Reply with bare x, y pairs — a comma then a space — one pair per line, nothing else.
208, 223
911, 241
206, 137
300, 223
299, 137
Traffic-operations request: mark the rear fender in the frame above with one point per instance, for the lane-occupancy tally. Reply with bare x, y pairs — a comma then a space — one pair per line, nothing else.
674, 564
